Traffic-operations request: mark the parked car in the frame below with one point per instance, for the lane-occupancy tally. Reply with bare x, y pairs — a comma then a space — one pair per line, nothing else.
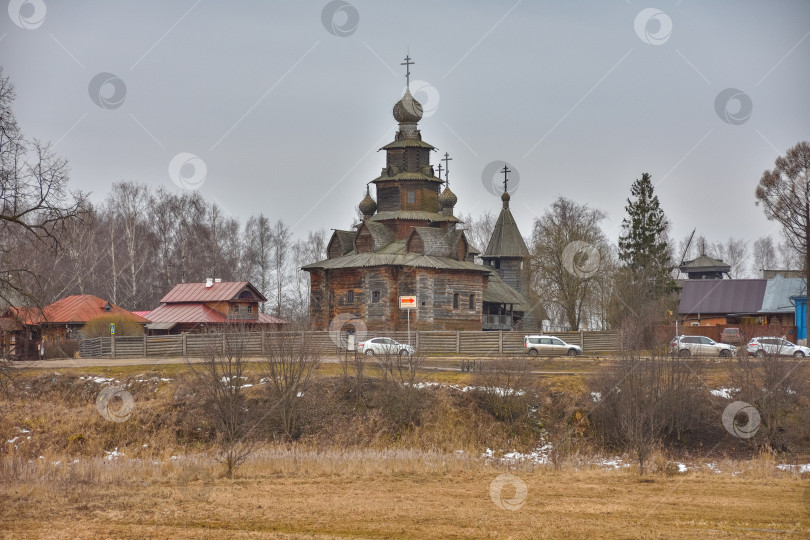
732, 336
774, 346
383, 346
549, 345
685, 346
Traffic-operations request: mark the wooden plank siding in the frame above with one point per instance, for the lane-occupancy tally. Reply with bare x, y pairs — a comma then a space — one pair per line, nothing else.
255, 344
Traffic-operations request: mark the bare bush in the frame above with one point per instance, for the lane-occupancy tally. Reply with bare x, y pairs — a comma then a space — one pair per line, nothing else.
777, 387
644, 400
401, 378
290, 361
502, 387
220, 378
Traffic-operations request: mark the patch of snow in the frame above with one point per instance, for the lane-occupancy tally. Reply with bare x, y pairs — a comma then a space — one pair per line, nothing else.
495, 389
614, 463
299, 394
596, 396
681, 467
25, 431
12, 441
804, 468
113, 454
713, 467
725, 393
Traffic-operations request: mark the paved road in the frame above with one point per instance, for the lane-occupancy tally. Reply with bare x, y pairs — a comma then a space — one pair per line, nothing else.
450, 363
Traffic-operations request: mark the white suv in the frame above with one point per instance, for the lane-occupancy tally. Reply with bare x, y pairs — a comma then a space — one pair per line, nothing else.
774, 346
549, 345
685, 346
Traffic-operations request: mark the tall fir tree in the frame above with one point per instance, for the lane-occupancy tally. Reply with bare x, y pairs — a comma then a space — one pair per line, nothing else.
643, 246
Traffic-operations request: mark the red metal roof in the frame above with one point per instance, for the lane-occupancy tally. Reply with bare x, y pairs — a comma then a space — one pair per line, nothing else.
200, 313
217, 292
78, 308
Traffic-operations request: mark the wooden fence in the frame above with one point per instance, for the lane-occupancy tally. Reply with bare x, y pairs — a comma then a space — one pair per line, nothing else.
465, 343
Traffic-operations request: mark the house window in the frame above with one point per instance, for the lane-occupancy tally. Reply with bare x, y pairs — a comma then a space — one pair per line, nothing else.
236, 309
250, 309
455, 301
375, 296
472, 301
350, 297
411, 197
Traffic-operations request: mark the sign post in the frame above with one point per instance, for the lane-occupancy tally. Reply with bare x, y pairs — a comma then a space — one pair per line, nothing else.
408, 303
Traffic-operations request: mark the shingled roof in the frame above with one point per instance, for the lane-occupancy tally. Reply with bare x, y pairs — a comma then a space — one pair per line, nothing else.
437, 242
506, 240
722, 296
399, 258
706, 264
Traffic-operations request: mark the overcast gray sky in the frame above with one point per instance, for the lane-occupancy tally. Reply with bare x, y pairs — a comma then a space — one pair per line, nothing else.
286, 104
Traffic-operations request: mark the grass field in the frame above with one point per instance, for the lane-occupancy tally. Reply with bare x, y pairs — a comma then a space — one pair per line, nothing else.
283, 493
66, 472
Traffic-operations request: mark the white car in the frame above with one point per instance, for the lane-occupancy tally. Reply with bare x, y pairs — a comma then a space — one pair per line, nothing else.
549, 345
383, 346
774, 346
685, 346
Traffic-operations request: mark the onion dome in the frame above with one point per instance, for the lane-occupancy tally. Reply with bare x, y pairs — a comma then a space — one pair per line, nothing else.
368, 205
407, 110
505, 198
447, 199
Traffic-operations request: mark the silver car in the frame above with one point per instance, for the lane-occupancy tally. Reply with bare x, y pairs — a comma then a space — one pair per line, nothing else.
549, 346
383, 346
774, 346
685, 346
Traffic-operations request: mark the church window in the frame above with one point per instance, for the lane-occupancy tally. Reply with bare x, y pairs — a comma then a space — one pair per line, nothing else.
375, 296
455, 301
350, 297
472, 301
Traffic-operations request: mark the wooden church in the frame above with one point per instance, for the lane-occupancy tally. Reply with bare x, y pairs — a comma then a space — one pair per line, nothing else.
409, 243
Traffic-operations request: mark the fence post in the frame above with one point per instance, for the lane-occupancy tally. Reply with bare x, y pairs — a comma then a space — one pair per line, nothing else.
581, 339
185, 345
417, 339
264, 340
112, 346
500, 341
144, 345
458, 341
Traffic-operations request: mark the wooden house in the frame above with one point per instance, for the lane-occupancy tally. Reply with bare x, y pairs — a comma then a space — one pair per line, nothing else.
408, 244
24, 329
197, 307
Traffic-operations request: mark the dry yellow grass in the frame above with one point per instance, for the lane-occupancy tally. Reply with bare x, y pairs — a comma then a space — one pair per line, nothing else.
287, 492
